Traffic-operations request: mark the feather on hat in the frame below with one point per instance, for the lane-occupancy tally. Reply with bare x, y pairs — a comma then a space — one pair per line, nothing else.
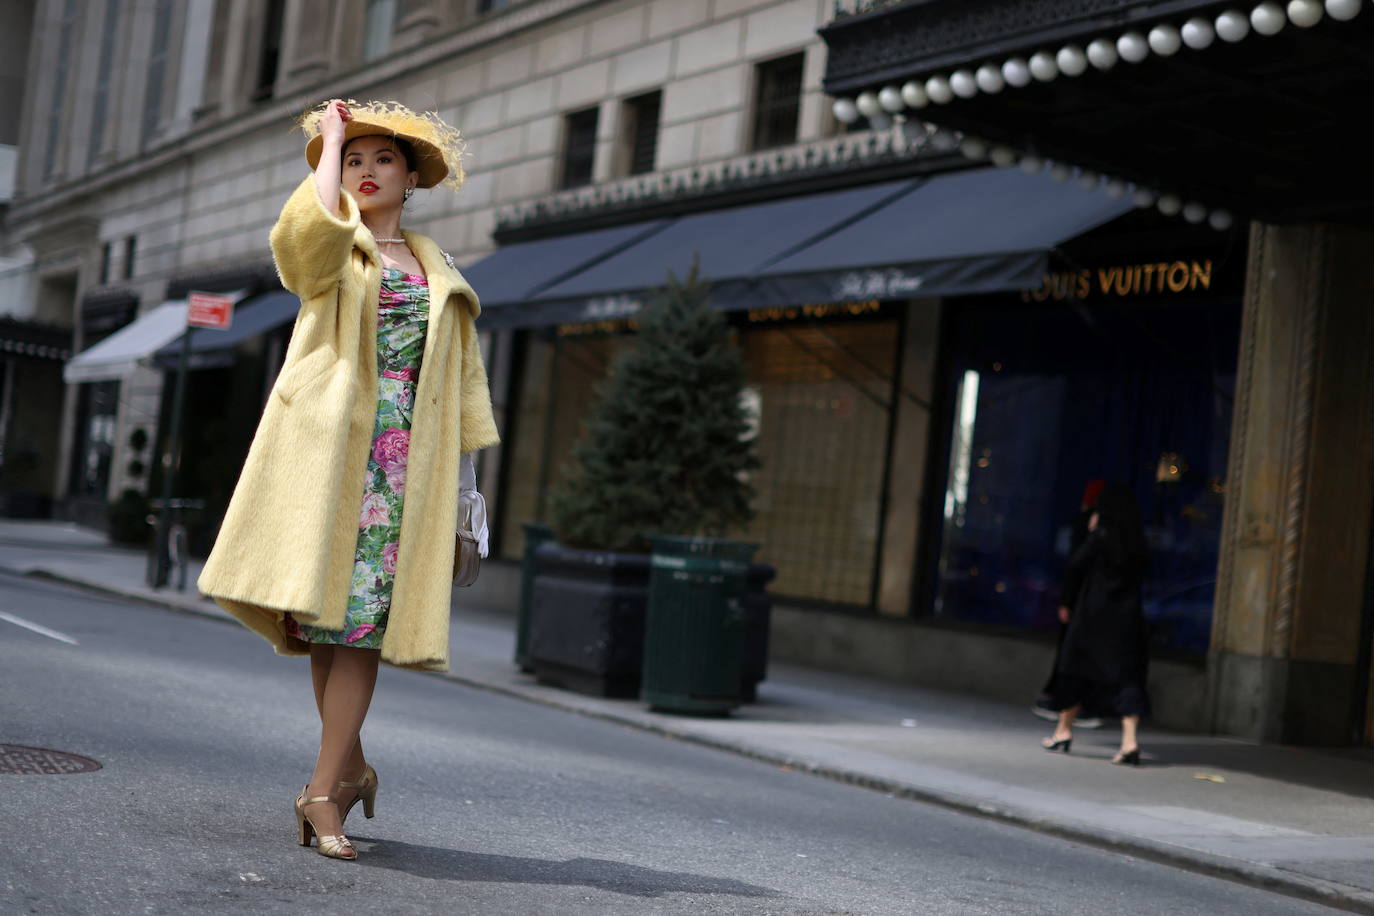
438, 147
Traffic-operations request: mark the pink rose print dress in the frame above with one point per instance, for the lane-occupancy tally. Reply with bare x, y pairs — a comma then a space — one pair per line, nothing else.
402, 318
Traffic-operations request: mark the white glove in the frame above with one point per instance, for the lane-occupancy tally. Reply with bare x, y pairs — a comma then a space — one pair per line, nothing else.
471, 503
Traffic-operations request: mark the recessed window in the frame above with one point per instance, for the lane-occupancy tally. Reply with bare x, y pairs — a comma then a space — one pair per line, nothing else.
777, 101
487, 6
106, 254
66, 26
641, 128
130, 252
101, 103
381, 22
579, 148
157, 69
270, 56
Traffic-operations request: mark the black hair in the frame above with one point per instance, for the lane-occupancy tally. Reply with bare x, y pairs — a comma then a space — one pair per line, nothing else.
402, 145
1119, 521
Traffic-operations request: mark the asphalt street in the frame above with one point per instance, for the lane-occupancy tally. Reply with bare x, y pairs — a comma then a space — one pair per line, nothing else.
487, 805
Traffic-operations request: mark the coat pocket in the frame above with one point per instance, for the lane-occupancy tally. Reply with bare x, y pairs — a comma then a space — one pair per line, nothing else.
307, 369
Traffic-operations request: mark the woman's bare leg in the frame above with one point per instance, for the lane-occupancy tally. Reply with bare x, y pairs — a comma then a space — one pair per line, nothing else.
347, 693
321, 661
1063, 729
1129, 727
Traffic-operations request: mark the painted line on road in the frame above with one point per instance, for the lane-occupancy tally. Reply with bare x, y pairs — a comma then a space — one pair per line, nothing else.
40, 630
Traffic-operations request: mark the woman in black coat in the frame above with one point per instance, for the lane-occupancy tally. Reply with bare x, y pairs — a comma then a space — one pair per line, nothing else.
1102, 663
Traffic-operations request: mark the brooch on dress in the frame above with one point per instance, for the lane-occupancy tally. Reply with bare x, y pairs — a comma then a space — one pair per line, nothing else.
447, 257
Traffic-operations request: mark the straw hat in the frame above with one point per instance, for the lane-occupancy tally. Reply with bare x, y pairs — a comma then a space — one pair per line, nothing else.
438, 147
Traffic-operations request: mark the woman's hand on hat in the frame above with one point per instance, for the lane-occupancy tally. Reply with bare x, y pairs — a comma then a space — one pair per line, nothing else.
336, 115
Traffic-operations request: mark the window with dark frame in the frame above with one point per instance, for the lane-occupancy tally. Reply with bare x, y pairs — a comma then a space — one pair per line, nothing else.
100, 104
487, 6
579, 148
777, 101
155, 90
270, 57
66, 26
642, 116
106, 255
378, 29
130, 252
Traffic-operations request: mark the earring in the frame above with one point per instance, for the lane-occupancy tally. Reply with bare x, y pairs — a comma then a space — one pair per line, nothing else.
409, 191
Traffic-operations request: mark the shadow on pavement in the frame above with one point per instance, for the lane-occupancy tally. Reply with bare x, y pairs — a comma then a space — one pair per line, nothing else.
1348, 771
602, 874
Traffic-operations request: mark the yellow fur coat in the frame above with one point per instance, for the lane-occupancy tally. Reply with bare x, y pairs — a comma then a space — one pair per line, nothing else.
288, 539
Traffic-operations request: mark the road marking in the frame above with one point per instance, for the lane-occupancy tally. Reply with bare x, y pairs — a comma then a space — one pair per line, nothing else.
40, 630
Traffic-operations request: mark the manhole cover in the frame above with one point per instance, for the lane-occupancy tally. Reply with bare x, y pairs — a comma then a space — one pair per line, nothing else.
15, 758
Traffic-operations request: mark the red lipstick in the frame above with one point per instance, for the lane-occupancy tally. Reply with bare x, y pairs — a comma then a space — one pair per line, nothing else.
367, 187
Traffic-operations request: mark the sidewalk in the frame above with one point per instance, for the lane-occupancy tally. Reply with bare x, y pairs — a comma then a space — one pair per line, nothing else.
1296, 820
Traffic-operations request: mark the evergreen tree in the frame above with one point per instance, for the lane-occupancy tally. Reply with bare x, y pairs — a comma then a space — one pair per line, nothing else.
664, 450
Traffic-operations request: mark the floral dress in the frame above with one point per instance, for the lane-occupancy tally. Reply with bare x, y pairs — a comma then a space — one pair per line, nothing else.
402, 318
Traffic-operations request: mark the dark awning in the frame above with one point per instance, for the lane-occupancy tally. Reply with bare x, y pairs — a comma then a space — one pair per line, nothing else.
729, 246
955, 234
959, 234
517, 273
214, 349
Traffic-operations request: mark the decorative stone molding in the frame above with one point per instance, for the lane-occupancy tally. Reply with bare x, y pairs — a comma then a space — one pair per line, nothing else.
770, 173
1236, 530
254, 278
20, 337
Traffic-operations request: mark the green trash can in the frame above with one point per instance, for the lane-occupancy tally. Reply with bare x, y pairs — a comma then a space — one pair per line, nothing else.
535, 534
694, 633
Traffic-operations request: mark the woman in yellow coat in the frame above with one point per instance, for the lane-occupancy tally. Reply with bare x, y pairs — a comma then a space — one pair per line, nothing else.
382, 393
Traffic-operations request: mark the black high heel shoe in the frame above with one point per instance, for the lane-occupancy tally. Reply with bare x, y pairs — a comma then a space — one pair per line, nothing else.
1128, 759
1050, 744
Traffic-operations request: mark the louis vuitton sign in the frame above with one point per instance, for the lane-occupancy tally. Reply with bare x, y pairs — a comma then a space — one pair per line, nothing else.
1124, 281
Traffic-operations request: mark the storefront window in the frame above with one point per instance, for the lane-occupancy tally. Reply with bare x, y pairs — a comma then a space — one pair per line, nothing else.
819, 396
557, 384
823, 395
1042, 400
94, 452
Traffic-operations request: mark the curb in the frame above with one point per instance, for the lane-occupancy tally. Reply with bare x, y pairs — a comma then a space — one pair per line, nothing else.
1269, 878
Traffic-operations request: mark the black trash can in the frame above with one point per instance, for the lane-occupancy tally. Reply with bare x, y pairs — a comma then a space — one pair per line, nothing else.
695, 631
535, 534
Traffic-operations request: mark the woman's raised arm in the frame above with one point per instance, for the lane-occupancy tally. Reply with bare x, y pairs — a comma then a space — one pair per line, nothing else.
331, 156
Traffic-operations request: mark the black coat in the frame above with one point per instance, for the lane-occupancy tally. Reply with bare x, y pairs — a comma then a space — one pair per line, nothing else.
1105, 641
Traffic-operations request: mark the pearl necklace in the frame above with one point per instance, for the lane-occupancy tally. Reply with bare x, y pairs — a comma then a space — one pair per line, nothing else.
375, 239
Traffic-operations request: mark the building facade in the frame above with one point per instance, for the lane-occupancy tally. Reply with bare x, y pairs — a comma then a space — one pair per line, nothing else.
1209, 111
940, 352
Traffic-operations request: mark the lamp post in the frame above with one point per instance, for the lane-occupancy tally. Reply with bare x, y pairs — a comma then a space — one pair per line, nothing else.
205, 310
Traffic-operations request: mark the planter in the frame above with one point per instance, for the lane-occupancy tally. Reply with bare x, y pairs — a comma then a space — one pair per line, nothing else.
587, 619
586, 614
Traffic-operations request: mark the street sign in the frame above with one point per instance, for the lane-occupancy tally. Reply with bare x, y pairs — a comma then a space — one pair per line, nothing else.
210, 310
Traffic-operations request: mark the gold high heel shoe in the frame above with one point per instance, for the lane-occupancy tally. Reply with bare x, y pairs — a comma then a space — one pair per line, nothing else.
335, 847
366, 788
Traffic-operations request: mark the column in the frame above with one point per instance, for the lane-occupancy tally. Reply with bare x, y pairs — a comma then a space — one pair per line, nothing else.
1291, 591
905, 497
